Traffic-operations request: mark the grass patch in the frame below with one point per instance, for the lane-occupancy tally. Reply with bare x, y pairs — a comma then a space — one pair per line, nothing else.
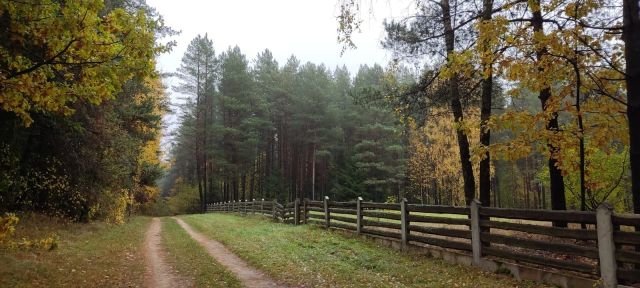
191, 260
313, 257
87, 255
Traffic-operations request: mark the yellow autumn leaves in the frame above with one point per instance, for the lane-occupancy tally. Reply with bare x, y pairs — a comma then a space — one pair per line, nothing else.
56, 54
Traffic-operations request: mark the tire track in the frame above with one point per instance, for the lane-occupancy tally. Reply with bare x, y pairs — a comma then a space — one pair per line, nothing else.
249, 276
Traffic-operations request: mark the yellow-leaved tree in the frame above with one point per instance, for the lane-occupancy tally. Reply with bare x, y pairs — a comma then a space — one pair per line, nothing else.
434, 165
56, 53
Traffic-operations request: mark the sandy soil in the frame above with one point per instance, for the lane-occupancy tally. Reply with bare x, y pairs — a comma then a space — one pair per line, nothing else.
159, 273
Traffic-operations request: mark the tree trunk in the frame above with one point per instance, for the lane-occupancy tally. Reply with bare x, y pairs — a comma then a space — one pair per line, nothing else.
456, 108
485, 113
631, 37
558, 201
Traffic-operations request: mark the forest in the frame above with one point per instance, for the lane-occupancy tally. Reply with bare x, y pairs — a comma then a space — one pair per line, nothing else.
520, 104
528, 104
81, 107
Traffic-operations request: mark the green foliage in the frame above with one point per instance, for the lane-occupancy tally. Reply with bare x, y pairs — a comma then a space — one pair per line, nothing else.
284, 132
86, 59
80, 119
609, 174
348, 182
184, 199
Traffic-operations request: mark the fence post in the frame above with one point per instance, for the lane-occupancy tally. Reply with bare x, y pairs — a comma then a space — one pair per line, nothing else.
359, 215
404, 222
476, 245
296, 211
606, 246
304, 211
327, 217
273, 207
261, 206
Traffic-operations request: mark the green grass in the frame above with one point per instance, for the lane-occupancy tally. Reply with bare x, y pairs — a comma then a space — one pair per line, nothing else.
88, 255
191, 260
312, 257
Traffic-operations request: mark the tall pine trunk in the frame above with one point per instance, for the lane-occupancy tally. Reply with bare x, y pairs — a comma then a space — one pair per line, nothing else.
456, 108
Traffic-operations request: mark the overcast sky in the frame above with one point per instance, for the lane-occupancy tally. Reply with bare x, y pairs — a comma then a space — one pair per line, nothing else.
304, 28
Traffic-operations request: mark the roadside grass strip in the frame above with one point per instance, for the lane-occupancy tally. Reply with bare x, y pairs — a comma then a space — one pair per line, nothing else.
313, 257
87, 255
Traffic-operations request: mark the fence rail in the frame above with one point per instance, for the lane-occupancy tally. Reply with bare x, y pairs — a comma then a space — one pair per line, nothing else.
599, 244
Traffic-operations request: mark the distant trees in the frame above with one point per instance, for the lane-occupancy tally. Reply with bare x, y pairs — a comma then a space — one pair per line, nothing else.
291, 131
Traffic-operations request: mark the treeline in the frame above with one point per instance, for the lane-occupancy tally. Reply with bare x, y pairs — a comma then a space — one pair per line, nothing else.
570, 71
81, 107
259, 129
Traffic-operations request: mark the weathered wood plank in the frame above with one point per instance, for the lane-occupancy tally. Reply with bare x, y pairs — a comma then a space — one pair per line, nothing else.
343, 211
539, 260
351, 205
316, 216
628, 256
375, 232
570, 249
543, 230
387, 206
631, 275
343, 226
439, 209
371, 223
441, 220
540, 215
626, 219
466, 234
317, 209
343, 219
377, 214
623, 237
440, 242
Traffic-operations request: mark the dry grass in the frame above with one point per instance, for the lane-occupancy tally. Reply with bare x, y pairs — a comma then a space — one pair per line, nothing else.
87, 255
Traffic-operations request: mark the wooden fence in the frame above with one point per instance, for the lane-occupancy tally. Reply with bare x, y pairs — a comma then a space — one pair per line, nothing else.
598, 244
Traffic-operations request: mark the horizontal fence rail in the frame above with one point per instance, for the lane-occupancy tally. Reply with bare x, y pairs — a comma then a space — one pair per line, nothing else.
598, 244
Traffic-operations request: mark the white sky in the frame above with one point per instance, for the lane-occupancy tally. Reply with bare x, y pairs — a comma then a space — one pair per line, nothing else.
304, 28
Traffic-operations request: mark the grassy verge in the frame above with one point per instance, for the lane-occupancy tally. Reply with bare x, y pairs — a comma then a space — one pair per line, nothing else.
313, 257
191, 260
88, 255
